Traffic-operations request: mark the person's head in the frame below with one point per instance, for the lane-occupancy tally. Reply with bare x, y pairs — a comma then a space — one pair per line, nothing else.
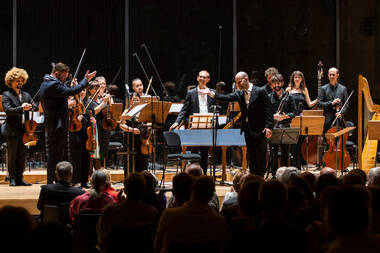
221, 87
277, 82
280, 171
101, 80
352, 178
348, 210
182, 187
304, 186
323, 181
135, 98
374, 172
16, 78
83, 94
288, 174
92, 88
203, 78
137, 86
297, 80
98, 183
64, 171
150, 182
296, 197
327, 170
108, 177
203, 189
269, 72
114, 90
134, 186
273, 197
310, 179
194, 169
249, 177
248, 198
170, 87
60, 71
360, 173
236, 179
241, 80
333, 75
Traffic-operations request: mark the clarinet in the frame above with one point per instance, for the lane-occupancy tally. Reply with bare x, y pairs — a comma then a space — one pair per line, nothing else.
280, 107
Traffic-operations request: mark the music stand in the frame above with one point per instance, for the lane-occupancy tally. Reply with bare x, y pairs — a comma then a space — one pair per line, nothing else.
281, 136
308, 125
201, 121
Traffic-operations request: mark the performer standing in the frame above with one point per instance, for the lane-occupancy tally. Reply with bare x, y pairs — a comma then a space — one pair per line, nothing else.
15, 103
257, 119
269, 72
197, 101
53, 94
332, 96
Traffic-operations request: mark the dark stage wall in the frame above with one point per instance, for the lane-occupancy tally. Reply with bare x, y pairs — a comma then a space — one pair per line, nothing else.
183, 38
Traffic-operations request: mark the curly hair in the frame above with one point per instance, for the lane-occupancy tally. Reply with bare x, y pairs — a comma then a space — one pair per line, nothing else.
13, 74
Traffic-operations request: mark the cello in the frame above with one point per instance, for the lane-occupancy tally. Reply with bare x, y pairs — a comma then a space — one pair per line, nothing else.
310, 146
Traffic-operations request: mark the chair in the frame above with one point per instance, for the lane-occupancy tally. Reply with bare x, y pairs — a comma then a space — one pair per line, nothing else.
59, 214
172, 141
85, 236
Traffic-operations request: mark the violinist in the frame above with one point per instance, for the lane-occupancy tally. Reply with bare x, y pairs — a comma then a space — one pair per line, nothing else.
97, 101
141, 160
138, 86
53, 95
15, 103
332, 96
80, 156
299, 94
283, 112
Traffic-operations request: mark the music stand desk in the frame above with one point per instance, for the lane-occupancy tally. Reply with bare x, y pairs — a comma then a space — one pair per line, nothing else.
284, 136
311, 125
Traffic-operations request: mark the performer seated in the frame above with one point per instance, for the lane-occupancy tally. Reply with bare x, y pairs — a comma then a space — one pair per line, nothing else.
15, 103
141, 160
138, 86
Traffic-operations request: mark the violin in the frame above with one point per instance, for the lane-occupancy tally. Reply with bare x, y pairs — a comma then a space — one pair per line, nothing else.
74, 124
30, 137
91, 133
108, 122
146, 146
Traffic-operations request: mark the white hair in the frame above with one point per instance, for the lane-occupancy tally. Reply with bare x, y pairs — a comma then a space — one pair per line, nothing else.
374, 172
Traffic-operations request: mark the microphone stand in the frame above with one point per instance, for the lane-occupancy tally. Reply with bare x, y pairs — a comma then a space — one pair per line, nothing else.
214, 137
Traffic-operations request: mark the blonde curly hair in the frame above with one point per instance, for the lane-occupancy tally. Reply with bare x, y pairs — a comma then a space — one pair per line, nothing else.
15, 73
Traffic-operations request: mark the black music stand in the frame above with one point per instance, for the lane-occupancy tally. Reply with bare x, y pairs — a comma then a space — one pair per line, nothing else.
281, 136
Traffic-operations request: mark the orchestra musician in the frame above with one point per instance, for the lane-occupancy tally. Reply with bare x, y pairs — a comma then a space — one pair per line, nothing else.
332, 96
269, 72
80, 156
141, 160
53, 95
98, 100
138, 86
299, 94
257, 119
282, 116
16, 103
197, 101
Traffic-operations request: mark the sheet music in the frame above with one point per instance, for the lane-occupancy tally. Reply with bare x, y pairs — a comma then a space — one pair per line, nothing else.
175, 108
135, 110
222, 120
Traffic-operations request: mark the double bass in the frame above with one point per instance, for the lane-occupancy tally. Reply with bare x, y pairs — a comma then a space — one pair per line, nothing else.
310, 147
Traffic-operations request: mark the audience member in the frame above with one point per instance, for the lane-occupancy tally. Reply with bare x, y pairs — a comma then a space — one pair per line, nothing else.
353, 178
61, 193
305, 187
327, 170
182, 185
288, 174
130, 223
96, 199
109, 189
310, 179
280, 172
194, 222
150, 197
231, 197
324, 180
375, 208
360, 173
372, 174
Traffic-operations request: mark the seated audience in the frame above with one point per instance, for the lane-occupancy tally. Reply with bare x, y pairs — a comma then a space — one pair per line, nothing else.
327, 170
360, 173
372, 174
96, 199
121, 224
109, 189
353, 178
310, 179
288, 174
151, 198
231, 198
182, 186
194, 222
61, 193
375, 210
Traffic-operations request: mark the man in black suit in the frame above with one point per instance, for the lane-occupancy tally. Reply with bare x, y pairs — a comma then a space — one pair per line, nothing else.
61, 193
53, 94
257, 119
197, 102
15, 103
332, 97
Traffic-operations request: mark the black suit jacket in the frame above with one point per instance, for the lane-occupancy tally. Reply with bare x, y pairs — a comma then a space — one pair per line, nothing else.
191, 105
259, 111
53, 95
12, 107
326, 97
59, 194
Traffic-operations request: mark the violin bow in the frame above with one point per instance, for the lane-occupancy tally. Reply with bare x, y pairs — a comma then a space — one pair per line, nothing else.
345, 103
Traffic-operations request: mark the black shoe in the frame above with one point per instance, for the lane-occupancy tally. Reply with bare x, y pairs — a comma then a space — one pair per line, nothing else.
23, 183
85, 185
12, 182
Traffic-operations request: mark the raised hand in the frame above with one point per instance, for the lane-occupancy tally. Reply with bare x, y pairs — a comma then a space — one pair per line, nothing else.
89, 75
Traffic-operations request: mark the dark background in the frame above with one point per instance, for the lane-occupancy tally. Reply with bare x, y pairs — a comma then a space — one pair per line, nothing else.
183, 38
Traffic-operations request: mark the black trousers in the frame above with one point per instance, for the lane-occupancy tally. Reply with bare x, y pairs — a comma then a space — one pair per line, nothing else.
256, 149
57, 141
204, 157
79, 158
16, 158
274, 156
140, 160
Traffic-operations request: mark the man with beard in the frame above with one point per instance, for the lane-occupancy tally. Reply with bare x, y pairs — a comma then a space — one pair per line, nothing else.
53, 95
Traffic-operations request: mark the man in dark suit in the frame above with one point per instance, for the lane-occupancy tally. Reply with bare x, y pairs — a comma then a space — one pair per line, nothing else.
332, 97
53, 94
197, 102
257, 119
15, 103
61, 193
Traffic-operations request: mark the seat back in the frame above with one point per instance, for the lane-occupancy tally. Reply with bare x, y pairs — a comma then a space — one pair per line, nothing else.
172, 139
84, 231
59, 214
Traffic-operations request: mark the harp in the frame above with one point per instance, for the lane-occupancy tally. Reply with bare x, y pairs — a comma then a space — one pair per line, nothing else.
368, 126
